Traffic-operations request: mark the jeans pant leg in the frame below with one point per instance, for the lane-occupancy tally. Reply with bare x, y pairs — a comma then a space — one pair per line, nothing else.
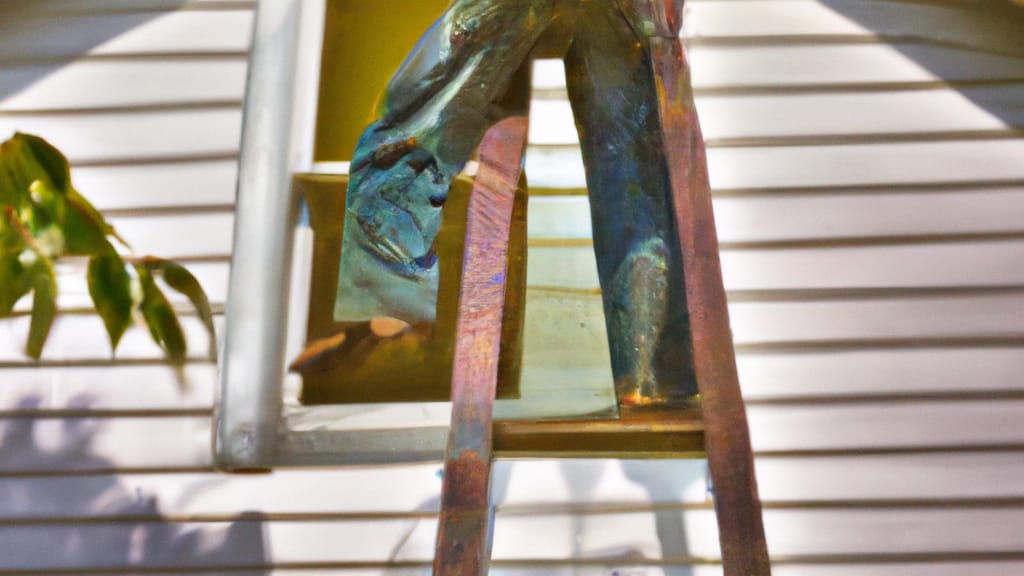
436, 109
613, 95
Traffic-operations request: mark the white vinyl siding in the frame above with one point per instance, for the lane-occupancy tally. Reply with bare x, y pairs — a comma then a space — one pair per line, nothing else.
868, 165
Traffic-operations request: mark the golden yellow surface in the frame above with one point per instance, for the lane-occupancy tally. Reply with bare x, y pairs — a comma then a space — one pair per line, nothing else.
386, 360
365, 41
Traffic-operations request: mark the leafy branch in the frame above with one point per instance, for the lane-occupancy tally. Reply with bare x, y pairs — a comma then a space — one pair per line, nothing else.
45, 218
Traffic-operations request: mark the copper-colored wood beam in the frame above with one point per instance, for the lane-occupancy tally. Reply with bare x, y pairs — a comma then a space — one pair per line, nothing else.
727, 438
464, 531
645, 434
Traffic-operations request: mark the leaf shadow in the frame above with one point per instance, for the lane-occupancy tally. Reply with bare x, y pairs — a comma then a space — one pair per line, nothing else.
55, 521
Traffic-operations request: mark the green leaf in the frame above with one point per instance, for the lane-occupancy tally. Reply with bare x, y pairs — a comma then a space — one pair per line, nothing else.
49, 205
11, 239
110, 289
35, 176
14, 181
85, 230
84, 207
44, 306
181, 280
49, 159
160, 318
26, 159
15, 282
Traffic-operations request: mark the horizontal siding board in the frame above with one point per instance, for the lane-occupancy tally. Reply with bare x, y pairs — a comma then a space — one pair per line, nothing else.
102, 84
624, 567
711, 18
627, 568
849, 322
832, 65
899, 424
747, 116
390, 490
768, 17
66, 340
882, 319
74, 292
636, 568
885, 371
795, 376
895, 532
753, 323
63, 7
820, 166
902, 569
168, 184
105, 444
108, 547
160, 442
177, 235
793, 65
554, 537
752, 219
893, 266
228, 31
939, 21
819, 216
521, 487
864, 320
108, 136
107, 388
524, 489
914, 269
948, 477
741, 220
976, 263
184, 32
787, 532
135, 136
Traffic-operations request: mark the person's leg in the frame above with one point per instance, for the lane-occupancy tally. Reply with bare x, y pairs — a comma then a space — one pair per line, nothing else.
446, 94
613, 94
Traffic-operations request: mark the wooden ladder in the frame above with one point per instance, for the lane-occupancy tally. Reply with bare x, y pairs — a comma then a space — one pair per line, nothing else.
465, 530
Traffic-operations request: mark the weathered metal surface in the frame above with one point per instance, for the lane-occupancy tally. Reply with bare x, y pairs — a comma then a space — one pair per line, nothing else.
464, 531
727, 439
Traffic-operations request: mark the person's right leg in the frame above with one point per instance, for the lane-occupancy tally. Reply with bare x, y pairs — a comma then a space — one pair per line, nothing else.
613, 93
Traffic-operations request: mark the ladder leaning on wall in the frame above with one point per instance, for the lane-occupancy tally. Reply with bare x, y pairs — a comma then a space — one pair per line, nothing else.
249, 434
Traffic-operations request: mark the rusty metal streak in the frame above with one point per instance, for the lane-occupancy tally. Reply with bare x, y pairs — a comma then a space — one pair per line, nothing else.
464, 531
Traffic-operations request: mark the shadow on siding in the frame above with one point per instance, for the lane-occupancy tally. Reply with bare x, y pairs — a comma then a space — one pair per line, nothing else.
937, 34
39, 37
134, 532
